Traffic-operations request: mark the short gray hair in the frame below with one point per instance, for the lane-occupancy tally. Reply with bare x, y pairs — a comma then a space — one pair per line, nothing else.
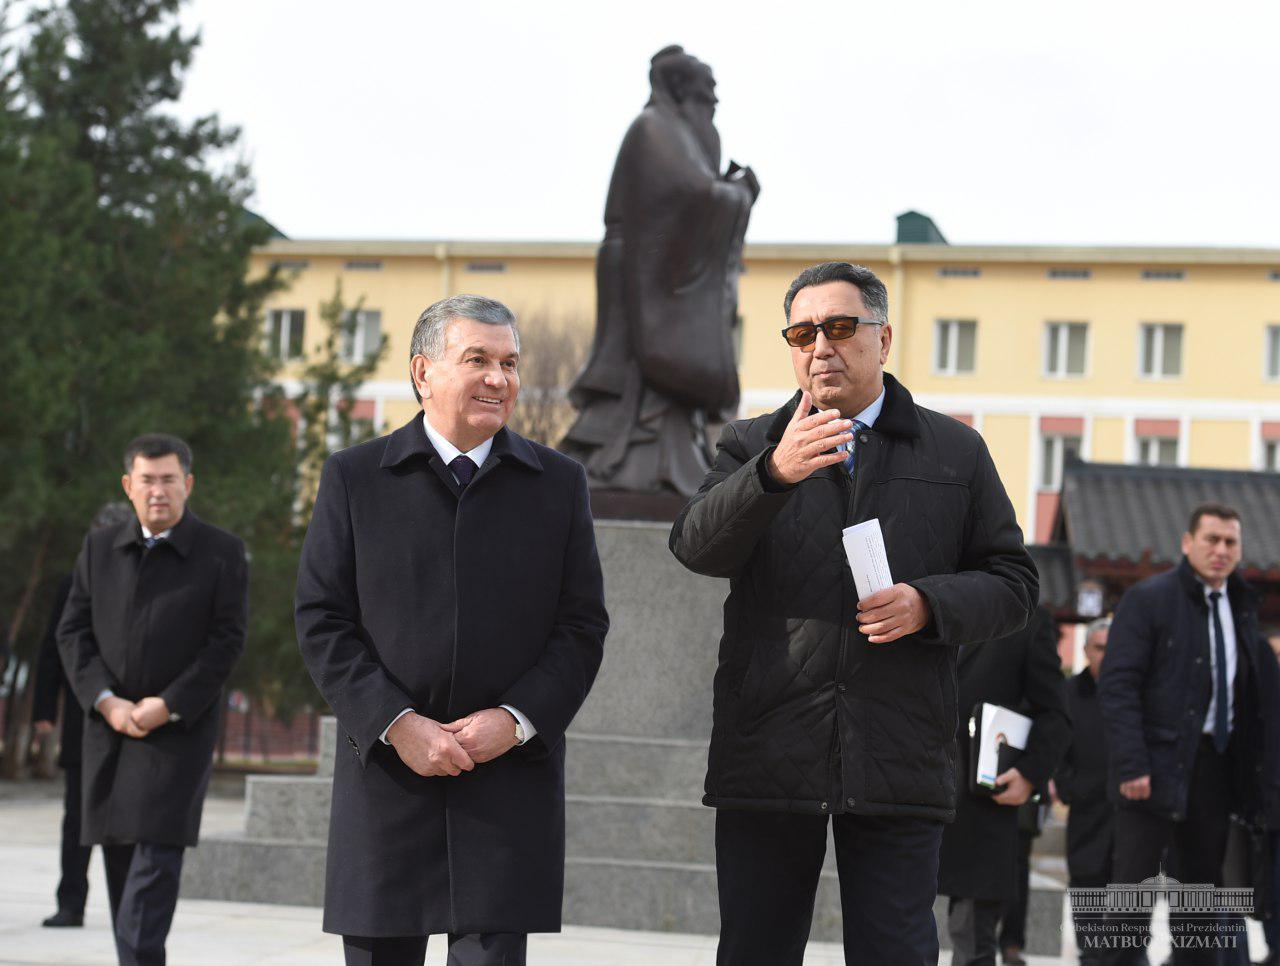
429, 331
874, 295
1101, 624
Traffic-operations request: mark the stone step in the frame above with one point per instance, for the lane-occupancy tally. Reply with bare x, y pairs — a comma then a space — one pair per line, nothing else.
288, 808
620, 765
616, 893
328, 742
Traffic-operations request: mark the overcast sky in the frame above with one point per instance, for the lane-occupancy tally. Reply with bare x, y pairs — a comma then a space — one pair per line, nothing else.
1115, 122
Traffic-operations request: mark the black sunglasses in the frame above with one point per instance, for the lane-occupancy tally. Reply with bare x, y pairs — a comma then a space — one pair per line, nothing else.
835, 329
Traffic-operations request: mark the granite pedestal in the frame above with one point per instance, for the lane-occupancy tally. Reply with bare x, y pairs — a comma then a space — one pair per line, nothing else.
640, 846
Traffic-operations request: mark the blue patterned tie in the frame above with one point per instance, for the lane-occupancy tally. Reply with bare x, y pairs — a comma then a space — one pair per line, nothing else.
851, 459
150, 542
463, 470
1221, 726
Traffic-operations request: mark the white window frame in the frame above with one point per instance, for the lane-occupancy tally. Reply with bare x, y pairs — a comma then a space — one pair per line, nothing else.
948, 368
280, 350
1152, 443
1270, 342
1062, 337
1157, 350
1057, 444
359, 351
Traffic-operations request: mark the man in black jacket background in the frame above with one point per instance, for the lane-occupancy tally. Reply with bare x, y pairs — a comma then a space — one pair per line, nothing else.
826, 705
1180, 696
978, 864
1081, 783
51, 685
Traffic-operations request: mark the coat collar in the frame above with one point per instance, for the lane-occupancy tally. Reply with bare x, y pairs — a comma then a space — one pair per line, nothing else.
897, 418
181, 537
1239, 592
411, 440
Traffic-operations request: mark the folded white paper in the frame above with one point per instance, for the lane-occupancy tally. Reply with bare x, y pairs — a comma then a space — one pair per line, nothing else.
864, 547
999, 726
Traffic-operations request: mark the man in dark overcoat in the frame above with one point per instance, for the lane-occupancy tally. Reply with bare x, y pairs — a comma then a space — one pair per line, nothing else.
978, 864
450, 609
51, 689
154, 624
828, 708
1081, 782
1184, 685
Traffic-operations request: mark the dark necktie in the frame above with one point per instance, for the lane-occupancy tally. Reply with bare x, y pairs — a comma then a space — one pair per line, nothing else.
851, 460
463, 470
150, 542
1221, 726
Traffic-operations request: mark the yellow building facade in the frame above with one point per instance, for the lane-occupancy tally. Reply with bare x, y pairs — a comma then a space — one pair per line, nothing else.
1159, 355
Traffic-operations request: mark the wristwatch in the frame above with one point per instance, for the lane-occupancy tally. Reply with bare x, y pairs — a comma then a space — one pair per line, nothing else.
520, 739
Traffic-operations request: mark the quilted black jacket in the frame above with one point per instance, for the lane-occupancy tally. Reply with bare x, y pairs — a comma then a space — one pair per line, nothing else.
808, 717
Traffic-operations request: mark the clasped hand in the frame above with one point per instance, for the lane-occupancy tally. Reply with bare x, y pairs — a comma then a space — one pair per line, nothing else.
430, 748
134, 719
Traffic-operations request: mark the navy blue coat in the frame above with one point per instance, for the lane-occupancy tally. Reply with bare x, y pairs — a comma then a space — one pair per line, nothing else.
414, 595
1156, 683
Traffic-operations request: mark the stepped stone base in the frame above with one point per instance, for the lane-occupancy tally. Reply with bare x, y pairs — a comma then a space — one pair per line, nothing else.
640, 848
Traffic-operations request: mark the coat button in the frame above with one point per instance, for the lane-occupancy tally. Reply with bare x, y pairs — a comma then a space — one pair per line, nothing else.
850, 802
863, 438
842, 688
824, 806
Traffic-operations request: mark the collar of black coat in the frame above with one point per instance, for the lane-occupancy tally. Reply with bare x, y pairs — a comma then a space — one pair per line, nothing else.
897, 418
1239, 592
181, 536
411, 440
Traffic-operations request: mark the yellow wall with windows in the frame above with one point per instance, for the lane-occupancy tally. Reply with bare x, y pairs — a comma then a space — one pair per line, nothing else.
1224, 301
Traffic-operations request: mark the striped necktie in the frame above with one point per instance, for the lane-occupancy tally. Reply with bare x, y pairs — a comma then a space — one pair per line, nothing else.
852, 458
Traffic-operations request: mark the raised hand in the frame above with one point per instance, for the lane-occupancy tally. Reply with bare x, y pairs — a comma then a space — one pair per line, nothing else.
802, 450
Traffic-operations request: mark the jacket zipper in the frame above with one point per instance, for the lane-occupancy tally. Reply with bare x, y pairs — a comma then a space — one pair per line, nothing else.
837, 758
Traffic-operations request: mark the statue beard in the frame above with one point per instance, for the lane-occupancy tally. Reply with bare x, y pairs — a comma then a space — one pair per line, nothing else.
698, 115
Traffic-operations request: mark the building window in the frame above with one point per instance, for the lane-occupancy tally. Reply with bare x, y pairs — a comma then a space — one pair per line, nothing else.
486, 266
1275, 275
362, 336
1164, 274
1076, 273
1273, 352
956, 271
1162, 350
1064, 353
1054, 452
956, 341
1271, 455
1157, 451
297, 265
284, 333
363, 266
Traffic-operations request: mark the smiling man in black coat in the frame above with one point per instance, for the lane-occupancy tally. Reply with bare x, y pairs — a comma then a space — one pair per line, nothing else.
450, 608
827, 706
154, 624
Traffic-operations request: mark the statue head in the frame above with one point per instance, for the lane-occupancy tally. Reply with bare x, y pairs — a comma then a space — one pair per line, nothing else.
681, 82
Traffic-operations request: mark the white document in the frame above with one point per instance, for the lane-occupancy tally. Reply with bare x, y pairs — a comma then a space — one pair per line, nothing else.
864, 546
999, 726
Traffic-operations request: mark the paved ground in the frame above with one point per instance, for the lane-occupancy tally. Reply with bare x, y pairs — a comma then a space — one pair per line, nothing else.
239, 934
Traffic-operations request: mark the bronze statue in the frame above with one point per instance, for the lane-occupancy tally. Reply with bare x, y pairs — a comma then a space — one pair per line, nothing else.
662, 364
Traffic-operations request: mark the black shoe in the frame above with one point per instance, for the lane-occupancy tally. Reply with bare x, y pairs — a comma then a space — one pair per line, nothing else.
64, 918
1012, 956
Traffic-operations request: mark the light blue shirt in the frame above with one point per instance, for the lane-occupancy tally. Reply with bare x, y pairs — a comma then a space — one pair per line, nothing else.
867, 417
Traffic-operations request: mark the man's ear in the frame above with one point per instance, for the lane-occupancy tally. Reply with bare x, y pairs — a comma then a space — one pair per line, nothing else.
419, 370
127, 483
886, 340
1186, 543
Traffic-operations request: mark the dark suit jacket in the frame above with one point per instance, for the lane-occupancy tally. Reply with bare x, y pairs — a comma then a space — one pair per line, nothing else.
413, 596
1082, 782
51, 684
1020, 672
167, 622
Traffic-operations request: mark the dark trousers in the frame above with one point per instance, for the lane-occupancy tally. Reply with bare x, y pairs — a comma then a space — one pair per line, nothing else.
971, 923
767, 866
1142, 838
1088, 924
1013, 918
73, 887
142, 887
1271, 925
476, 949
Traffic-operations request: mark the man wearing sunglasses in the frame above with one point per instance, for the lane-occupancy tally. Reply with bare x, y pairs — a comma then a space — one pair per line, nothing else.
827, 707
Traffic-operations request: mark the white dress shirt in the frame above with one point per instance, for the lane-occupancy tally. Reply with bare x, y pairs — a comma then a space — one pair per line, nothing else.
1229, 643
448, 452
107, 692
